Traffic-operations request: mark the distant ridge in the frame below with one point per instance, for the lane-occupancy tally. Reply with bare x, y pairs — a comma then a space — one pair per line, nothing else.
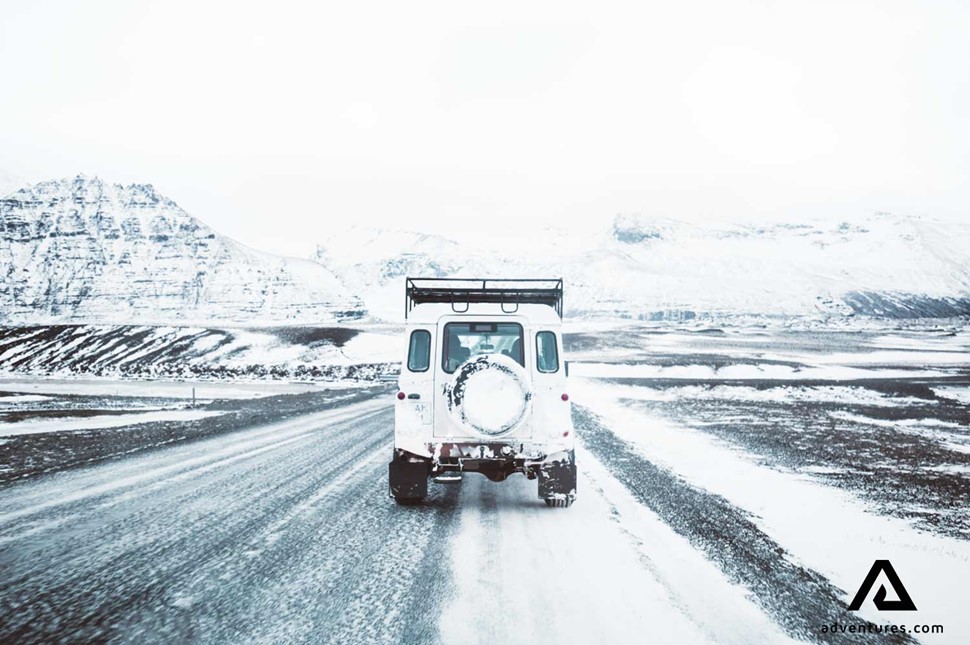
644, 268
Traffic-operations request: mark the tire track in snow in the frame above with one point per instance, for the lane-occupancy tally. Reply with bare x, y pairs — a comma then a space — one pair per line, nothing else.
799, 599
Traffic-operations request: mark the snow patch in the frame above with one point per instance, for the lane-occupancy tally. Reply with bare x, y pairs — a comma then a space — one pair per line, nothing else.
22, 398
849, 395
763, 371
959, 394
98, 422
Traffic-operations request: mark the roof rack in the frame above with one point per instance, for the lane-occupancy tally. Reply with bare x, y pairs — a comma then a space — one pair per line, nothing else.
468, 290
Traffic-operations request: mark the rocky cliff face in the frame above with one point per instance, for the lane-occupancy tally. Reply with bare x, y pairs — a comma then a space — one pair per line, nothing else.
82, 249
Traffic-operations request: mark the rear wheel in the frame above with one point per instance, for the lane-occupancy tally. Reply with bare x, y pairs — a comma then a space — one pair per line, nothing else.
557, 481
407, 477
559, 503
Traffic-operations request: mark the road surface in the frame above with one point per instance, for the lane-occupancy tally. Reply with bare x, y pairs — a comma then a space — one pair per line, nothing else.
284, 533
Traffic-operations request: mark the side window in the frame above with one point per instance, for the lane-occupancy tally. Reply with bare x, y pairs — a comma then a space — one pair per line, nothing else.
419, 352
547, 354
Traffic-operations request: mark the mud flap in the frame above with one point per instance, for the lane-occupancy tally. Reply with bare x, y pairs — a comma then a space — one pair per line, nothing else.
558, 479
408, 480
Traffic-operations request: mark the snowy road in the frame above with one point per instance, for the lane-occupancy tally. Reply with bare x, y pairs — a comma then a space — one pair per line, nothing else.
284, 533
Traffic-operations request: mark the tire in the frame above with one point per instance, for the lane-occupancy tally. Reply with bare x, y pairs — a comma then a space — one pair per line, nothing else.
557, 482
408, 501
559, 503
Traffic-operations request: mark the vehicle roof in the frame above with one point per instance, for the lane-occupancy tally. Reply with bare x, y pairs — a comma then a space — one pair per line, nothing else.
459, 293
431, 313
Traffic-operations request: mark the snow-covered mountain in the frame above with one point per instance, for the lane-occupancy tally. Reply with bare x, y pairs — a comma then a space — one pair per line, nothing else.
649, 268
84, 250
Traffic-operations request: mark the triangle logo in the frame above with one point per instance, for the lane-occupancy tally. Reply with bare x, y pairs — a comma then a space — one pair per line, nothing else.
905, 603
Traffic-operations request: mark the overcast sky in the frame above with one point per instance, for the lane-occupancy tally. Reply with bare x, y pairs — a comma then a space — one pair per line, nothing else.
273, 121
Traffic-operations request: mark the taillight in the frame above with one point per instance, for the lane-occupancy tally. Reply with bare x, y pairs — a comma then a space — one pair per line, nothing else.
400, 396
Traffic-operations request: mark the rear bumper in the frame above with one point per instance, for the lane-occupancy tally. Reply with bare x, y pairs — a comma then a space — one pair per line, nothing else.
556, 471
496, 460
530, 448
467, 453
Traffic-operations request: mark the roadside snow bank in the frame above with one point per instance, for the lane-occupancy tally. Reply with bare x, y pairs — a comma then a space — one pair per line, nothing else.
827, 529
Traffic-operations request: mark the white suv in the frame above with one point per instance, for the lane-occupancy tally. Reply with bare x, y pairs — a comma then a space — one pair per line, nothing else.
483, 387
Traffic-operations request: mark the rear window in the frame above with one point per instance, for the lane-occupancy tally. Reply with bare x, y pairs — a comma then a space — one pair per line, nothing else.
419, 351
547, 353
466, 340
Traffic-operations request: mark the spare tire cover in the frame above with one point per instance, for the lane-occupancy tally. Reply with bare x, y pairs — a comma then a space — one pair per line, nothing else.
490, 395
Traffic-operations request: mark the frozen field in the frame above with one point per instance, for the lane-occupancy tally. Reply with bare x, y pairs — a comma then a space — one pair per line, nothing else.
735, 487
